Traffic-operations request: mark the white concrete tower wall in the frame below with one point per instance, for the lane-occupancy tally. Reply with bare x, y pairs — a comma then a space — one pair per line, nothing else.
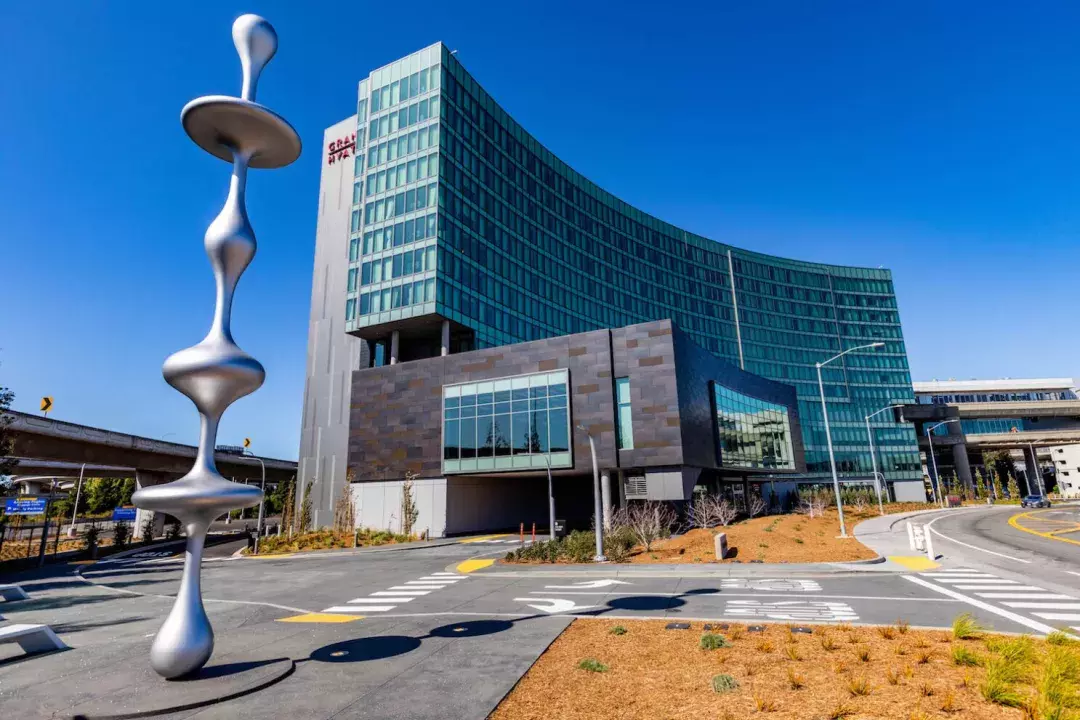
331, 354
1067, 464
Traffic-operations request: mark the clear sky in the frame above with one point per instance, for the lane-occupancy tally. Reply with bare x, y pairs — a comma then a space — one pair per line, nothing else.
936, 139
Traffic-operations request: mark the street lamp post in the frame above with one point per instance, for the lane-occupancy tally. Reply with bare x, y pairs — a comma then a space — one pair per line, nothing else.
873, 456
551, 498
828, 432
78, 490
599, 521
262, 503
933, 460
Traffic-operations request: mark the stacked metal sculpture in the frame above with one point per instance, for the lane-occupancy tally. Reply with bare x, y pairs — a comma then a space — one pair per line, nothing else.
215, 373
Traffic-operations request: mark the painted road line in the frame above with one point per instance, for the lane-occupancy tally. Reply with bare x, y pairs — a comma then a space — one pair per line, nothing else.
1073, 572
1069, 617
482, 538
376, 601
1024, 596
1008, 614
957, 576
321, 618
443, 578
470, 565
725, 595
357, 609
791, 610
425, 585
1043, 605
979, 581
399, 590
1015, 522
998, 587
973, 547
447, 574
914, 562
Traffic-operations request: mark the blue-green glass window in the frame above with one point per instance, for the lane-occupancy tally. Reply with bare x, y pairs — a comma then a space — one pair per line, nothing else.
752, 433
624, 428
506, 424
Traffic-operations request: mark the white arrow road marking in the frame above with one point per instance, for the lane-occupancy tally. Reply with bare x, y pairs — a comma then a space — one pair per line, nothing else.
587, 584
553, 605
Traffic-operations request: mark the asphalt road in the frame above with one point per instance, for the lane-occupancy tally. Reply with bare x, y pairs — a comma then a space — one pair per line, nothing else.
403, 633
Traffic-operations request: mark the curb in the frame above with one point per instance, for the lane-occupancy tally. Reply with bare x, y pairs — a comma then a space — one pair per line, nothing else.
398, 547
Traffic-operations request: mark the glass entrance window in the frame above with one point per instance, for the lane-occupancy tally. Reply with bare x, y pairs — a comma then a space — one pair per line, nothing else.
512, 423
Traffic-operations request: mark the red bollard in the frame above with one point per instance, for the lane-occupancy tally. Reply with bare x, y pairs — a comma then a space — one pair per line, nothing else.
534, 532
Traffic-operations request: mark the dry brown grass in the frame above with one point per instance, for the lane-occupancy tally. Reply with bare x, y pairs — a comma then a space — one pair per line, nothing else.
772, 539
657, 673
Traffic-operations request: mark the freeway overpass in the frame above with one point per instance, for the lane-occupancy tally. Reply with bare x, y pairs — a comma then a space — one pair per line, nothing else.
46, 446
1058, 420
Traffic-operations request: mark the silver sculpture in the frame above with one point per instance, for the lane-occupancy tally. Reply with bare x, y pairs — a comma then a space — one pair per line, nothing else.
215, 373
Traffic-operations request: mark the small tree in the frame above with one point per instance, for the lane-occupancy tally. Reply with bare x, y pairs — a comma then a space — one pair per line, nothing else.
699, 512
121, 535
409, 511
344, 514
7, 437
304, 523
980, 484
724, 511
1014, 489
647, 521
288, 509
148, 529
756, 505
91, 539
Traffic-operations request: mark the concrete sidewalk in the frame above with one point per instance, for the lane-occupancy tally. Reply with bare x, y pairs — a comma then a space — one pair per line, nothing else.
887, 536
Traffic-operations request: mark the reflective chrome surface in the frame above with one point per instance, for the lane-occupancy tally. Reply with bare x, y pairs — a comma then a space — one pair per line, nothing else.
215, 373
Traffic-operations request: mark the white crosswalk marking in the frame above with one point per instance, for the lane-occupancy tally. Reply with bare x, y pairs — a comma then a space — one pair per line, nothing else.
1044, 605
359, 609
401, 590
1010, 593
381, 600
998, 587
1024, 596
387, 600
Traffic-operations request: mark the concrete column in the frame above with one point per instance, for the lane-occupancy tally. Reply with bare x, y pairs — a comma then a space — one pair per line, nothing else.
395, 339
605, 495
620, 478
1034, 472
145, 479
960, 459
445, 337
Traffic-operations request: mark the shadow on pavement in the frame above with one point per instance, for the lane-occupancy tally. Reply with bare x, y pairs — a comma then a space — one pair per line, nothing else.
224, 670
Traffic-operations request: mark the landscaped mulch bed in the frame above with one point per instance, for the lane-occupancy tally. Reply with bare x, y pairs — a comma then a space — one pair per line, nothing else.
835, 672
771, 539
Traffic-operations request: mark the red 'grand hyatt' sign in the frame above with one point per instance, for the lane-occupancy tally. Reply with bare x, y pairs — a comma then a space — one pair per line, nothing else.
340, 148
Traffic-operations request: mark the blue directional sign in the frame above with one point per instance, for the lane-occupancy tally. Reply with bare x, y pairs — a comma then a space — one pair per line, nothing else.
123, 514
25, 506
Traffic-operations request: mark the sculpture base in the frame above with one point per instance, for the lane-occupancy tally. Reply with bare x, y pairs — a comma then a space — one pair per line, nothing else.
150, 696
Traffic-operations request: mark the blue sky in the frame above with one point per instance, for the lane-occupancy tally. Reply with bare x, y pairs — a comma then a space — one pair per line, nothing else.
935, 139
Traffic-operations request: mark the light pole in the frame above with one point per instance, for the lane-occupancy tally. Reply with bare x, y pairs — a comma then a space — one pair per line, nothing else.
262, 503
78, 490
933, 460
873, 457
551, 498
599, 521
828, 432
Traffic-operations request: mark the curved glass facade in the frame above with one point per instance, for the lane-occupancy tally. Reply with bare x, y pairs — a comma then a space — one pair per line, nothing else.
527, 248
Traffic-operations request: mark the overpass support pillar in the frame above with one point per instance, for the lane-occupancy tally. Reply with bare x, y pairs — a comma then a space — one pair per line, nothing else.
145, 479
960, 459
1032, 471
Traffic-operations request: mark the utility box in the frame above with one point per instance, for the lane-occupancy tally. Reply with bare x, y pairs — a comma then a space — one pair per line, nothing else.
721, 545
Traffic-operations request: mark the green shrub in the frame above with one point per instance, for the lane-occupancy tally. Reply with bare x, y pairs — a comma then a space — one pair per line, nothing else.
121, 535
962, 656
966, 627
618, 543
1059, 637
724, 683
592, 665
712, 641
617, 630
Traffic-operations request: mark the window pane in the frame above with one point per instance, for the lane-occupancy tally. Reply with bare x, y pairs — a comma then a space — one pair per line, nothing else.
451, 440
520, 433
559, 431
485, 437
502, 435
